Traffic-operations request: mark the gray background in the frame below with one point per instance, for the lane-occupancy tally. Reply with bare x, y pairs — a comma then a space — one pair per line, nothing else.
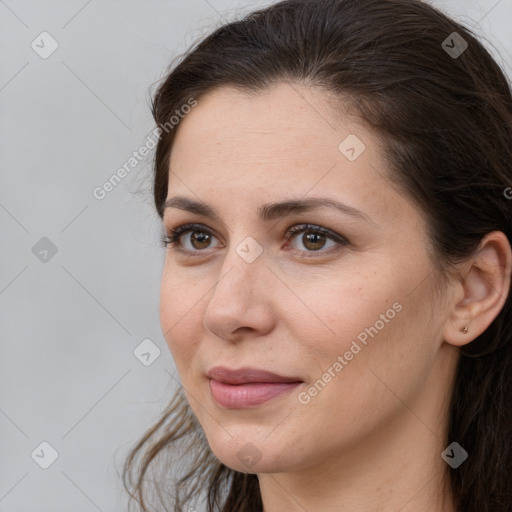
70, 321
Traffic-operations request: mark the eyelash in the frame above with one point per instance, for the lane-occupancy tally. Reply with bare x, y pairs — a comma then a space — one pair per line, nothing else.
172, 238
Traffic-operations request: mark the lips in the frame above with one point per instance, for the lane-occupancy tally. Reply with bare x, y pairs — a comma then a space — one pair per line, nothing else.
247, 387
246, 375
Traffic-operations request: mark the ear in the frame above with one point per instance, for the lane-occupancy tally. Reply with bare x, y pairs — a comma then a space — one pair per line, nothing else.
481, 290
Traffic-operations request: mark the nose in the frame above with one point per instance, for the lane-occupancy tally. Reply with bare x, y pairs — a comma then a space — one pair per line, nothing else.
241, 303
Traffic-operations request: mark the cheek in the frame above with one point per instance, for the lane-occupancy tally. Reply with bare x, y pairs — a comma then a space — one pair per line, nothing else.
180, 317
369, 320
381, 345
346, 306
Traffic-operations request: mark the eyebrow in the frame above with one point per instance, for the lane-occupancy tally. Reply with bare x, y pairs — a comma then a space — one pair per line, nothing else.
269, 211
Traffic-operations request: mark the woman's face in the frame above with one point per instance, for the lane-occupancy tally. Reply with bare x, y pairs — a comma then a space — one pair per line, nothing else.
347, 316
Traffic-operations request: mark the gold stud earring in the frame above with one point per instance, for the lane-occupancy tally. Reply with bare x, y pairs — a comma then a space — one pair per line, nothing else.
463, 330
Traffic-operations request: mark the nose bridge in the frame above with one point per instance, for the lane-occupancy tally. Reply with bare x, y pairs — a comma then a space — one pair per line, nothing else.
242, 270
239, 296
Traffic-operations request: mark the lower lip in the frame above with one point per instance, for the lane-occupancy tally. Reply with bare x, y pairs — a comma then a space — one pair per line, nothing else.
239, 396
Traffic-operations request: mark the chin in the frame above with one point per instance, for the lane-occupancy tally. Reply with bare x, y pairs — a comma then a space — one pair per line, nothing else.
251, 464
256, 456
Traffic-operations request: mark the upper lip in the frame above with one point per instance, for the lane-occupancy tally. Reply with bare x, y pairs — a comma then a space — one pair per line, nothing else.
245, 375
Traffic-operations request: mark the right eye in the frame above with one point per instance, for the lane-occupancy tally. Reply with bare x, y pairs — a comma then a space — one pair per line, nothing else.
200, 240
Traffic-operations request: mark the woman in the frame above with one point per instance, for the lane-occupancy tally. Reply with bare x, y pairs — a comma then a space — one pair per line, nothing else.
336, 286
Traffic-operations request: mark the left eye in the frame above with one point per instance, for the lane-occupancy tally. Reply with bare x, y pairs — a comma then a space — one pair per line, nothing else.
314, 238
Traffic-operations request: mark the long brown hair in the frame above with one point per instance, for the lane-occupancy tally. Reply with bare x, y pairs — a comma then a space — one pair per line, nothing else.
444, 115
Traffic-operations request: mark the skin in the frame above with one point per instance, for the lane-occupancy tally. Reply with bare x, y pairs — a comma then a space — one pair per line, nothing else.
372, 438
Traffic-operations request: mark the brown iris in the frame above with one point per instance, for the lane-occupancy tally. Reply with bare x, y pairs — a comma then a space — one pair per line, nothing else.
313, 241
201, 238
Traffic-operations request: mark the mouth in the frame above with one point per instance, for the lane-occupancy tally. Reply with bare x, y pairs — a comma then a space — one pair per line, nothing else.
247, 387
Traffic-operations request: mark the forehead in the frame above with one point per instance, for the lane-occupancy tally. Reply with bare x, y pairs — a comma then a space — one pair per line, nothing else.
289, 131
287, 141
279, 122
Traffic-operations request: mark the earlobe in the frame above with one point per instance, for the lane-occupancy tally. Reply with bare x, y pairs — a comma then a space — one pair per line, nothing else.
482, 290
